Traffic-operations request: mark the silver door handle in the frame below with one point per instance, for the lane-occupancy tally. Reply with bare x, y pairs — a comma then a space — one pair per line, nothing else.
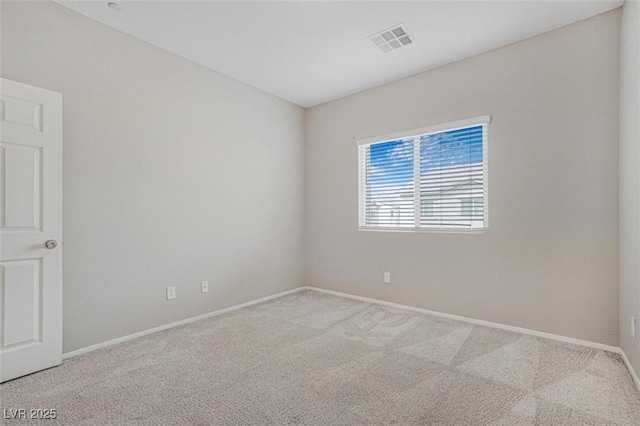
51, 244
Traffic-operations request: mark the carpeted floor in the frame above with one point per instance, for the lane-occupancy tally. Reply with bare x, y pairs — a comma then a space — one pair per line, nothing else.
311, 358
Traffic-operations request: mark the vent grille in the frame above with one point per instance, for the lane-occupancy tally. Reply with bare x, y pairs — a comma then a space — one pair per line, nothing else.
392, 38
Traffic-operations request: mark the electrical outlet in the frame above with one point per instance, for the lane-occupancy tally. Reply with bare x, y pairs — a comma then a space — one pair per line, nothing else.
204, 287
633, 327
387, 277
171, 292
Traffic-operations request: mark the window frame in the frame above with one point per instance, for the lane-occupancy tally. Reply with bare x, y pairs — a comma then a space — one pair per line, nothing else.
483, 121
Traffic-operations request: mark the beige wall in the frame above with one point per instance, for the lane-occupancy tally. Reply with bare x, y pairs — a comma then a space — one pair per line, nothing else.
630, 180
550, 259
173, 174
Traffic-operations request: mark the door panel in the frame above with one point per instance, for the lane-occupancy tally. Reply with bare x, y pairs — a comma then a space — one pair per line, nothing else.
22, 289
31, 215
22, 192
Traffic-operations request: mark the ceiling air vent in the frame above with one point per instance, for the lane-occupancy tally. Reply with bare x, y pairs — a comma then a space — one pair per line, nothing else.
392, 38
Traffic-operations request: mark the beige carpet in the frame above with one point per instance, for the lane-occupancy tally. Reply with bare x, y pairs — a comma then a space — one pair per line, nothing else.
310, 358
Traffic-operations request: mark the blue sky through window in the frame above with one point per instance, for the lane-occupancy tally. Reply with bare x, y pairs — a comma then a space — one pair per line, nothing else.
392, 162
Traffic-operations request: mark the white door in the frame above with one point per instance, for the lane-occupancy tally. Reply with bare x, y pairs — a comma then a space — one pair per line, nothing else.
30, 229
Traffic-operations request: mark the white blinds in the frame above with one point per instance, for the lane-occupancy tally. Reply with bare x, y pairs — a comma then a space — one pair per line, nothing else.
431, 180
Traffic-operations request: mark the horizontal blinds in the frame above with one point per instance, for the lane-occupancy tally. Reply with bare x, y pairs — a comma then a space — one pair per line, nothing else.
448, 168
388, 167
452, 178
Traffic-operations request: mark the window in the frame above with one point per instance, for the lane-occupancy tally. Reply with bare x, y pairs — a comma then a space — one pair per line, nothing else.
472, 207
427, 208
426, 179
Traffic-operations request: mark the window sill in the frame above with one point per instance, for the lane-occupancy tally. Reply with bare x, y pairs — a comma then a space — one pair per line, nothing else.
426, 230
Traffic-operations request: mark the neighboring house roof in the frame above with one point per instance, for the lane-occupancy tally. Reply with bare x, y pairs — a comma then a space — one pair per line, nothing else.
451, 181
441, 180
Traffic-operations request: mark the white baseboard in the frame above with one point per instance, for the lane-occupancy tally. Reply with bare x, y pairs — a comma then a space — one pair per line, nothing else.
472, 320
175, 324
634, 376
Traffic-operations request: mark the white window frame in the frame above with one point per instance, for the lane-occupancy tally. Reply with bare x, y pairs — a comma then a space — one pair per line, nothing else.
484, 120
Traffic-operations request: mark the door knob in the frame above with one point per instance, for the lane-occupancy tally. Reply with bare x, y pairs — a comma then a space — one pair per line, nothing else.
51, 244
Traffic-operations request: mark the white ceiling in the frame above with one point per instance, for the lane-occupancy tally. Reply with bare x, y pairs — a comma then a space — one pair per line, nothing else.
310, 52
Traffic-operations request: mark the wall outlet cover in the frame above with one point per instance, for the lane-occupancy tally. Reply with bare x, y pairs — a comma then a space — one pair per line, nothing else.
171, 292
204, 287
